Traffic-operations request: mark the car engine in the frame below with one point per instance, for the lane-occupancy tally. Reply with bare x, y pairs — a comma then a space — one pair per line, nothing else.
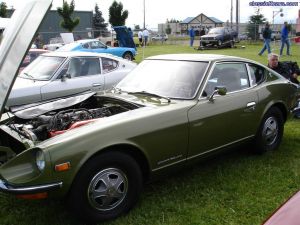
29, 125
55, 123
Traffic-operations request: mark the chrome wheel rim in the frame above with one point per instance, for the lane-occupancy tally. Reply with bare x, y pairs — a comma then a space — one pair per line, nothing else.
270, 131
107, 189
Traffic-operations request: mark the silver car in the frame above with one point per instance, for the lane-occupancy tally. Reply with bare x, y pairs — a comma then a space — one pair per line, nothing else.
58, 74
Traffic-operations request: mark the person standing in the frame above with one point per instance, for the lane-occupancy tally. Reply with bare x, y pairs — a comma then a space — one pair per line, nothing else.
192, 36
285, 39
267, 39
146, 36
140, 36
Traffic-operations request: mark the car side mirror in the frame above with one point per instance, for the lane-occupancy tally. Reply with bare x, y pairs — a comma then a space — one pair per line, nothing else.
65, 76
220, 90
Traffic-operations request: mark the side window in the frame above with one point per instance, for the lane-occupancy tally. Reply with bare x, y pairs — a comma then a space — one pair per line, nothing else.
78, 67
86, 45
96, 44
233, 76
257, 74
109, 64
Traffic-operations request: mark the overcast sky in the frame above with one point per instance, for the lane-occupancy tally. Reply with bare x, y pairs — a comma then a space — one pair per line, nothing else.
158, 11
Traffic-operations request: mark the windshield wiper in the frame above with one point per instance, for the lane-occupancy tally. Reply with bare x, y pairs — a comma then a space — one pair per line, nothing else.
150, 94
29, 76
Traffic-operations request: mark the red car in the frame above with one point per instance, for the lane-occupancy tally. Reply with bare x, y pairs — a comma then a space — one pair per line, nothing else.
287, 213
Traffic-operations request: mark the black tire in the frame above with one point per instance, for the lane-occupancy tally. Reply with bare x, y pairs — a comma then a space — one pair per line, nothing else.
270, 132
128, 55
99, 176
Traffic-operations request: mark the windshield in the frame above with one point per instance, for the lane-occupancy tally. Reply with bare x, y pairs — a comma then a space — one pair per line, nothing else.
215, 31
173, 79
42, 68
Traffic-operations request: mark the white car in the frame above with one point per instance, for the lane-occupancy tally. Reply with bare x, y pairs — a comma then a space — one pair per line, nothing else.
160, 37
58, 74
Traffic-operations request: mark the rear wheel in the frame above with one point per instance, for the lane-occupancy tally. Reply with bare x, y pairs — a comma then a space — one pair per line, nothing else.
270, 132
107, 186
128, 55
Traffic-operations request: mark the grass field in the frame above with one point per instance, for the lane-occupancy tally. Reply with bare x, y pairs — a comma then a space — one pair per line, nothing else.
236, 188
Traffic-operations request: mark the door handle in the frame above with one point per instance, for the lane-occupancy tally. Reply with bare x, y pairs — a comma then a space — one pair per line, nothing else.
250, 107
97, 85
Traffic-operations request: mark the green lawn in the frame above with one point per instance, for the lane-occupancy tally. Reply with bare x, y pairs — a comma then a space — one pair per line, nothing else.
236, 188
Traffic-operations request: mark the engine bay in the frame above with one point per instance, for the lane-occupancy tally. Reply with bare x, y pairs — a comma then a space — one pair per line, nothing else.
34, 124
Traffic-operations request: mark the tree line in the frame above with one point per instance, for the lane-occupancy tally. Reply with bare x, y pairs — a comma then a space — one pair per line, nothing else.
117, 16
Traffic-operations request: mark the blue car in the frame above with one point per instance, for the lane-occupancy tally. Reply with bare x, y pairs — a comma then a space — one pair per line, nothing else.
94, 45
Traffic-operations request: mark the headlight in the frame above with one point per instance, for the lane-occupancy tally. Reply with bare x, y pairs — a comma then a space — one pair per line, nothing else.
40, 160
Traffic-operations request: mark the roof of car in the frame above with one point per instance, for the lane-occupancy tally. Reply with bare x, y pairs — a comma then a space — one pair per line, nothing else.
197, 57
78, 53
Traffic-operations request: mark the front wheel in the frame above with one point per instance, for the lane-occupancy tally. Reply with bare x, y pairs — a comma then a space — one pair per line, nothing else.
128, 56
270, 132
106, 187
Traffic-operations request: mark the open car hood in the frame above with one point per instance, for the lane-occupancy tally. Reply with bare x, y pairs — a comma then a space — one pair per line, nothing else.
123, 37
16, 40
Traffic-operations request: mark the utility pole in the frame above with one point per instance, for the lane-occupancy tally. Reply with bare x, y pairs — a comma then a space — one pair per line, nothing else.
237, 15
231, 12
144, 15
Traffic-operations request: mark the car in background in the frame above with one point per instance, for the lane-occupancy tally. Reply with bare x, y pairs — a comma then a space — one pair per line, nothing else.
32, 54
58, 74
94, 45
275, 35
219, 36
243, 36
54, 44
160, 37
287, 213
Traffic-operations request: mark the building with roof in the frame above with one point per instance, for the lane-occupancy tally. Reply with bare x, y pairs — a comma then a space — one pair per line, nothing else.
198, 22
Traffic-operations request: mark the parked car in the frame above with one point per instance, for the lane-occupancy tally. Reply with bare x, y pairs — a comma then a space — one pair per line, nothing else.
54, 44
98, 150
32, 54
220, 36
58, 74
94, 45
287, 213
160, 37
275, 35
243, 36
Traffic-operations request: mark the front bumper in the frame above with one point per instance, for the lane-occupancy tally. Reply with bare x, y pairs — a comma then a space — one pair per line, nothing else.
4, 187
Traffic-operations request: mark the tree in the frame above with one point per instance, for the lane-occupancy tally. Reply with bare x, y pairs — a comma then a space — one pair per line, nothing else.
98, 22
137, 27
168, 29
66, 12
254, 22
117, 16
3, 10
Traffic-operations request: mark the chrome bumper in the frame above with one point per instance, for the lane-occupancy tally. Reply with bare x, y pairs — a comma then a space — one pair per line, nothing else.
28, 190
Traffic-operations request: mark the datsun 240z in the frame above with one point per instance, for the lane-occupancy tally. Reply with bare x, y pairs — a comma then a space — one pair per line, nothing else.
99, 149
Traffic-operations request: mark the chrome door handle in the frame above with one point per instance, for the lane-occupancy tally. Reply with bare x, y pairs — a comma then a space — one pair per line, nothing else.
251, 104
250, 107
97, 85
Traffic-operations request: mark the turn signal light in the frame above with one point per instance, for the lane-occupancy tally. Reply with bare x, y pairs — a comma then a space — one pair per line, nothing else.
62, 167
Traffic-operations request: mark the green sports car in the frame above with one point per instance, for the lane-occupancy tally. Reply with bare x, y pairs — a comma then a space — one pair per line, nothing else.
98, 149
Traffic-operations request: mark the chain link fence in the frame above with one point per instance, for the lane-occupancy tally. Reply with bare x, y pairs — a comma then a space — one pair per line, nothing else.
249, 33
